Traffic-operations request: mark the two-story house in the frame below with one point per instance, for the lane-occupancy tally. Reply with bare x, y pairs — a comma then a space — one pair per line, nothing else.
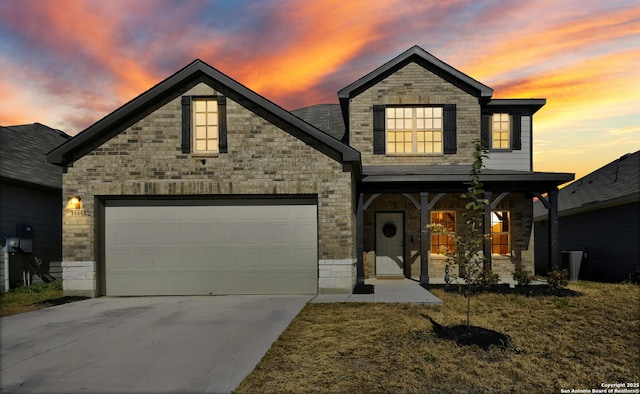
202, 186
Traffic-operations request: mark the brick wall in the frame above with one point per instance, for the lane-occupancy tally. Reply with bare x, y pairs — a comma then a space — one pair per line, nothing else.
413, 84
146, 159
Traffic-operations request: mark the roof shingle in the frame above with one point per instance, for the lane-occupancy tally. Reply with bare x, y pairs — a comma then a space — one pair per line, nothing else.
23, 152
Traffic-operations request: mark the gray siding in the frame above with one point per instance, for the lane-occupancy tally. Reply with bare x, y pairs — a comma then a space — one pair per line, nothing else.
610, 235
519, 160
39, 208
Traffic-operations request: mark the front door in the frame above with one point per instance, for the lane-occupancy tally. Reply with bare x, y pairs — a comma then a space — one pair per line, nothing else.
389, 244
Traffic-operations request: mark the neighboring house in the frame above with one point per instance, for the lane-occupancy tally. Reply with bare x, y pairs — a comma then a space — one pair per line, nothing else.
30, 196
202, 186
599, 214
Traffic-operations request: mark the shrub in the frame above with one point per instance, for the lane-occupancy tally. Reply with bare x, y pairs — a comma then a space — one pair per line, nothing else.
488, 278
558, 279
522, 276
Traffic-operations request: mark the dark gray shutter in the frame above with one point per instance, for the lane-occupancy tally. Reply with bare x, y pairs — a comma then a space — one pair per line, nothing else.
449, 128
516, 131
485, 131
222, 124
378, 130
186, 124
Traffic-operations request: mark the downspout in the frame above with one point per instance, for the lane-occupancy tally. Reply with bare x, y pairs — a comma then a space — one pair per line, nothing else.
6, 268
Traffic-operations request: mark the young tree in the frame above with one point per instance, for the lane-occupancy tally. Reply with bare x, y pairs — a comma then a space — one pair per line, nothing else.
469, 241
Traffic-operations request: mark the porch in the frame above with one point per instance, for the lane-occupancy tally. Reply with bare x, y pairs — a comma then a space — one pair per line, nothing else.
395, 205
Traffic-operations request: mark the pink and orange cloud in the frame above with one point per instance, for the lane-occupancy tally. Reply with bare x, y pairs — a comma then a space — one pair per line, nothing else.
67, 63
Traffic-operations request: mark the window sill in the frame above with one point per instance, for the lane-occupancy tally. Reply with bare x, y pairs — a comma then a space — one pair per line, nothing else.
200, 155
414, 154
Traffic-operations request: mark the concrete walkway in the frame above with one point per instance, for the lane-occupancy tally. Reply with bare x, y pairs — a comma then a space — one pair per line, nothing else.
386, 290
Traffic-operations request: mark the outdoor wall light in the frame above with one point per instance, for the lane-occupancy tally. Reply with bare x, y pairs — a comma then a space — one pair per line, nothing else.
75, 203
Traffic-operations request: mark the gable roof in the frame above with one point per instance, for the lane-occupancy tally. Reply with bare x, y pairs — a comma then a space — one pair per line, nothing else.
23, 151
167, 90
326, 117
616, 183
426, 60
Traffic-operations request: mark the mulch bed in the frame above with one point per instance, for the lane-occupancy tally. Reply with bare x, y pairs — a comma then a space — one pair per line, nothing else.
527, 291
472, 335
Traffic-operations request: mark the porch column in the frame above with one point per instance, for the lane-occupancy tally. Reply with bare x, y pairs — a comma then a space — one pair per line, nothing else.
360, 240
486, 229
555, 255
424, 237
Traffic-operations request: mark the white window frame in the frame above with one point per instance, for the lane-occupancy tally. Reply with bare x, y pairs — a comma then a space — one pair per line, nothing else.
419, 128
204, 126
501, 128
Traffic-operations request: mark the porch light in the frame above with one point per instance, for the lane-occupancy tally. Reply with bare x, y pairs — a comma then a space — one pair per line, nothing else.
75, 203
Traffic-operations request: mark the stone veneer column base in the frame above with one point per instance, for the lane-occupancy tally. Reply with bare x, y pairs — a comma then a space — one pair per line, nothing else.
79, 278
336, 276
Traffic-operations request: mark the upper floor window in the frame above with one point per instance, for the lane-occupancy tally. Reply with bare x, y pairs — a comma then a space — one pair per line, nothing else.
440, 243
205, 125
414, 130
500, 227
500, 131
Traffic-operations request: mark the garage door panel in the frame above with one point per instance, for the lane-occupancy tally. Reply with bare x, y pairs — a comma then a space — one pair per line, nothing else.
210, 249
211, 283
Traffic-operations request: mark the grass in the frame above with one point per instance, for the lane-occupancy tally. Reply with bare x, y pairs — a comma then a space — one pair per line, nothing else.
555, 343
25, 299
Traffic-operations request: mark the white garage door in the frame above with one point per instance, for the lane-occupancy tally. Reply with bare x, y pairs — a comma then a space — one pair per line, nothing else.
210, 247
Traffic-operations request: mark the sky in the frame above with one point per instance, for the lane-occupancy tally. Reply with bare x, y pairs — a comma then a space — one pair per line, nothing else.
69, 63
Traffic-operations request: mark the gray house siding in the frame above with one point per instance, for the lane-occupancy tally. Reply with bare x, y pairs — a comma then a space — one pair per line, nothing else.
40, 208
609, 235
519, 160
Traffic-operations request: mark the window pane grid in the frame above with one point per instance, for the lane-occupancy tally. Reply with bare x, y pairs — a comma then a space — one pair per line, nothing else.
205, 118
441, 243
500, 225
414, 130
500, 131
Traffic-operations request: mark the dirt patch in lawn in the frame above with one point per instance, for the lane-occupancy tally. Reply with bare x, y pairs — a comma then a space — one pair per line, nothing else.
548, 343
60, 301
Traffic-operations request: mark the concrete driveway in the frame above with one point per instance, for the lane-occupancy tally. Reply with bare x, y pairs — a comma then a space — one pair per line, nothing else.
141, 344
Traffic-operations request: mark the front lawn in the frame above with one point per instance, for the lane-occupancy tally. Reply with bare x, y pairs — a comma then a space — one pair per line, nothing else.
554, 343
25, 299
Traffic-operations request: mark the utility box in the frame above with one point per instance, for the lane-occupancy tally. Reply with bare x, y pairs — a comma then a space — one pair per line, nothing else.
571, 260
14, 244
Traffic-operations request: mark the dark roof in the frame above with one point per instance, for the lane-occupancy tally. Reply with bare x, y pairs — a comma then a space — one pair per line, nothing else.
326, 117
23, 152
616, 183
423, 58
452, 177
165, 91
525, 106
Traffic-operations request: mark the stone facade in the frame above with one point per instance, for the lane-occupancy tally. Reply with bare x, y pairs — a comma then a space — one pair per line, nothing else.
146, 159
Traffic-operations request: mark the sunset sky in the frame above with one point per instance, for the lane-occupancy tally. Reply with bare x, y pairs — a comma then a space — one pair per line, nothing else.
68, 63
